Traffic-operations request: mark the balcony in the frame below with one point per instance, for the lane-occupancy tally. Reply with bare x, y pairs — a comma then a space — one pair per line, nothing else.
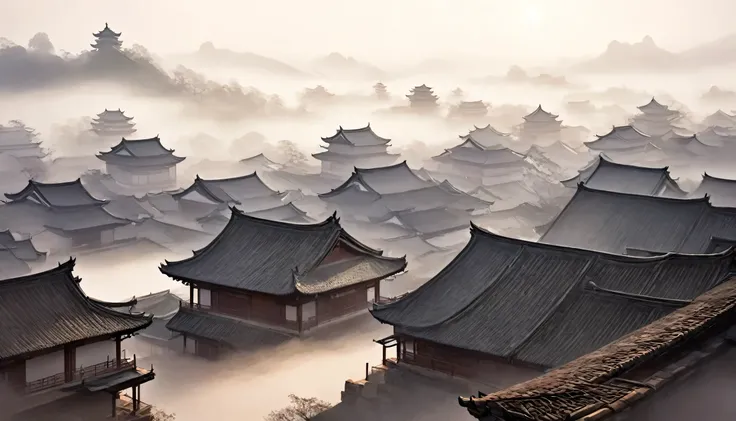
83, 373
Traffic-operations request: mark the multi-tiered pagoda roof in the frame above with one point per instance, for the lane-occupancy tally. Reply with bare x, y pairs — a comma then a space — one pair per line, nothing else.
470, 109
360, 147
720, 119
620, 139
113, 123
248, 192
422, 97
380, 90
655, 118
487, 136
107, 39
20, 142
540, 125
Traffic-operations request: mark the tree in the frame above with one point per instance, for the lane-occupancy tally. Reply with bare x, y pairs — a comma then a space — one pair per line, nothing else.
300, 409
159, 415
41, 43
291, 154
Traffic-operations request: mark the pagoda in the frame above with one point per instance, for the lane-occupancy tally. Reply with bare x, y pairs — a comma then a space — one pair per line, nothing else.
20, 141
317, 94
142, 163
113, 123
458, 94
721, 120
540, 125
655, 119
486, 165
620, 139
422, 98
349, 148
380, 91
107, 40
487, 136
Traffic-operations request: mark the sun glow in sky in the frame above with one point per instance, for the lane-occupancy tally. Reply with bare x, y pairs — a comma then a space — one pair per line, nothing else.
532, 15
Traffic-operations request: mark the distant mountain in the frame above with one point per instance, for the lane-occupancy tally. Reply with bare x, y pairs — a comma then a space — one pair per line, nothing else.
715, 53
209, 55
639, 56
338, 65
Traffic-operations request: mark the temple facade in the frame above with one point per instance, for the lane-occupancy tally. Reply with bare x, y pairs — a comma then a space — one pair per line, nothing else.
297, 278
143, 163
107, 40
655, 118
422, 98
350, 148
113, 124
61, 354
540, 126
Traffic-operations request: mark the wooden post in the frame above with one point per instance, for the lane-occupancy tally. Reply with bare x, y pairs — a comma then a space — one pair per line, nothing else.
135, 398
191, 296
367, 366
377, 292
398, 350
185, 342
299, 317
118, 357
383, 354
114, 404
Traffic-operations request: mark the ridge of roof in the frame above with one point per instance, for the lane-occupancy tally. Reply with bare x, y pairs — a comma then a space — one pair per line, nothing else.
33, 185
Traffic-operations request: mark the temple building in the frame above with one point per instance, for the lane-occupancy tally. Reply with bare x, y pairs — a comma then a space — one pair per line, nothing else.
667, 369
422, 98
65, 211
540, 127
20, 142
107, 40
716, 136
620, 140
556, 159
317, 95
655, 119
61, 352
143, 163
113, 124
22, 249
636, 224
487, 136
469, 110
379, 89
248, 192
350, 148
296, 278
458, 94
721, 191
605, 174
511, 309
720, 119
484, 165
259, 163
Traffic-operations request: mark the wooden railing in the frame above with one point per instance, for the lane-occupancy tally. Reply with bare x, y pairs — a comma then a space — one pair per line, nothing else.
90, 372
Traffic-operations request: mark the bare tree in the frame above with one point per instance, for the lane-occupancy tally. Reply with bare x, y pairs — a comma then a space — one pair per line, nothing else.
300, 409
291, 154
41, 43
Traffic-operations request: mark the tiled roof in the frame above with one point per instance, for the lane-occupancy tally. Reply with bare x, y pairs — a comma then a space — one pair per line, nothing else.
56, 195
499, 294
49, 309
282, 258
565, 393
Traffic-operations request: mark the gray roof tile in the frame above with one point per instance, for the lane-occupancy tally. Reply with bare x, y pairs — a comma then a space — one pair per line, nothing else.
283, 258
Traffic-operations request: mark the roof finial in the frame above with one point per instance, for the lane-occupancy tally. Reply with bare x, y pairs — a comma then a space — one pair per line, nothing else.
106, 27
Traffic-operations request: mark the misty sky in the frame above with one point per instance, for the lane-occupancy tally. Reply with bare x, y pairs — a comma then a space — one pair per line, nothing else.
376, 29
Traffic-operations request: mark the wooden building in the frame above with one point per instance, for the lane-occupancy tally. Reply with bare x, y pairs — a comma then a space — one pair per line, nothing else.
422, 98
673, 368
471, 110
510, 309
540, 127
65, 210
113, 124
484, 165
261, 282
655, 118
605, 174
23, 248
349, 148
720, 119
20, 142
487, 136
721, 191
106, 40
142, 163
61, 356
620, 140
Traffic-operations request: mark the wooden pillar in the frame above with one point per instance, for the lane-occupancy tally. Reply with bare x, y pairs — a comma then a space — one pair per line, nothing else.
185, 342
377, 292
398, 350
114, 404
118, 352
299, 316
191, 296
70, 363
135, 399
383, 354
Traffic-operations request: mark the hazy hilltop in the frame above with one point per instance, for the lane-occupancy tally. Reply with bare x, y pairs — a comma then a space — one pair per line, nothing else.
719, 52
210, 56
625, 57
336, 65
